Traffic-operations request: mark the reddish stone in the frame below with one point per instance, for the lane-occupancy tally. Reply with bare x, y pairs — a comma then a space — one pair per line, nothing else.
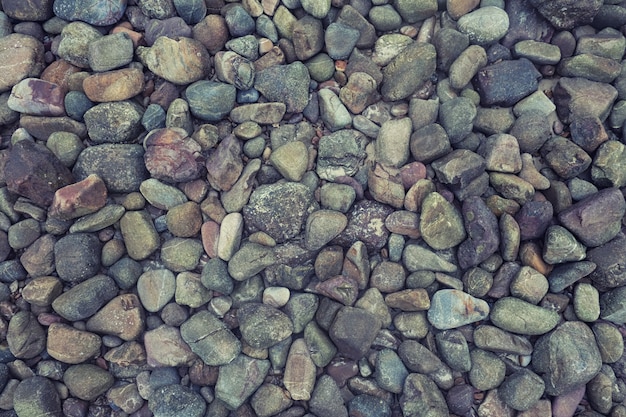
224, 166
412, 173
59, 73
76, 200
340, 288
210, 232
37, 97
34, 172
172, 156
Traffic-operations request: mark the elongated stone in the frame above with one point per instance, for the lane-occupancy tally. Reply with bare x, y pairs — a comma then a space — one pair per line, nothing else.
450, 309
441, 224
518, 316
482, 230
299, 377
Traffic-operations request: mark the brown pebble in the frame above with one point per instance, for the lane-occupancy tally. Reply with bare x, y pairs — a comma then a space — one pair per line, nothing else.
116, 85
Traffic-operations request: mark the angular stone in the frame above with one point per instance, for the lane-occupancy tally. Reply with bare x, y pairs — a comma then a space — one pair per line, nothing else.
420, 393
350, 16
563, 15
36, 396
506, 82
385, 185
340, 154
570, 342
565, 157
460, 166
521, 390
512, 187
288, 84
291, 160
612, 305
25, 337
229, 388
270, 400
87, 381
122, 317
165, 347
409, 300
596, 219
171, 155
32, 171
263, 326
441, 224
482, 229
561, 246
180, 61
79, 199
326, 399
353, 331
576, 97
608, 169
299, 377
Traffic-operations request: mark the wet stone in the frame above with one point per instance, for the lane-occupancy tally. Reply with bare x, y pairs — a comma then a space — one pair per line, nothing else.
571, 342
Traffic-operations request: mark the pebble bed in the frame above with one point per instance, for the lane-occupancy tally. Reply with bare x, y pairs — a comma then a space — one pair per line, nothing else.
364, 208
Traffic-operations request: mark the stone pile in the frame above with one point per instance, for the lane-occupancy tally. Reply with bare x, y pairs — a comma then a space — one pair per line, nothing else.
323, 208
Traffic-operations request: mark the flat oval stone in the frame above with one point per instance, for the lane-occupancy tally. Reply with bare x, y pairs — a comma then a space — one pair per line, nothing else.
497, 340
450, 309
37, 97
21, 56
94, 12
84, 299
210, 100
70, 345
156, 288
116, 85
165, 347
263, 326
518, 316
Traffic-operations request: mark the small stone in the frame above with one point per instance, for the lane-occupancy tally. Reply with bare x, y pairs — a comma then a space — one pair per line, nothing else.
571, 342
518, 316
586, 302
116, 85
212, 32
184, 220
126, 397
358, 93
66, 146
122, 317
596, 219
461, 166
465, 67
353, 331
332, 110
291, 160
512, 187
229, 388
181, 254
42, 291
409, 300
607, 168
529, 285
418, 258
538, 52
385, 18
323, 226
482, 226
180, 61
70, 345
415, 11
190, 291
385, 185
610, 342
441, 225
86, 298
36, 396
496, 340
340, 39
450, 309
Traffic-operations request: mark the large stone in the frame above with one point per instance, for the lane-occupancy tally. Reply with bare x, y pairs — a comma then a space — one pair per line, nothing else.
441, 225
566, 14
210, 339
180, 61
570, 343
518, 316
229, 388
288, 84
408, 71
353, 331
577, 97
263, 326
21, 56
506, 82
450, 309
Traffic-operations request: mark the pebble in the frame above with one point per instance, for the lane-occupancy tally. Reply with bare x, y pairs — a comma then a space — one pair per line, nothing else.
326, 398
177, 399
263, 326
243, 368
181, 61
87, 381
332, 110
123, 317
25, 55
484, 25
36, 396
521, 390
70, 345
270, 400
598, 98
110, 52
25, 337
288, 84
86, 298
450, 309
519, 76
165, 347
210, 339
402, 77
420, 393
181, 254
515, 315
441, 225
156, 288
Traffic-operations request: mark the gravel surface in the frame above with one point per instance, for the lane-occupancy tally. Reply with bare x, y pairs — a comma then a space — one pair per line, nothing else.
364, 208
